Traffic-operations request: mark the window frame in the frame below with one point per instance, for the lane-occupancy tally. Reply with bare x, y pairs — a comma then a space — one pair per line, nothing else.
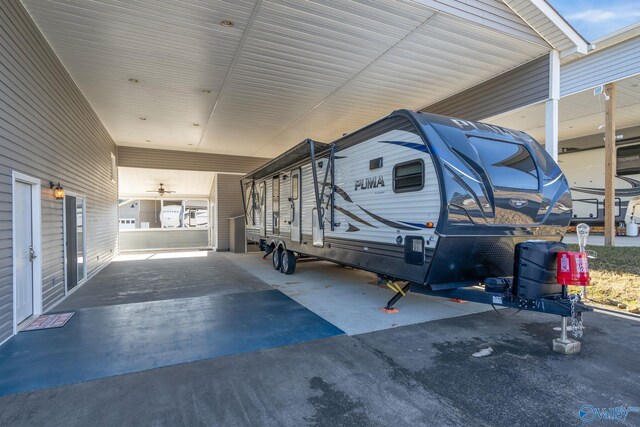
411, 189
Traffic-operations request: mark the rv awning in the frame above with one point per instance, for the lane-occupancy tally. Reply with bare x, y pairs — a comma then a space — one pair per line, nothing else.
289, 157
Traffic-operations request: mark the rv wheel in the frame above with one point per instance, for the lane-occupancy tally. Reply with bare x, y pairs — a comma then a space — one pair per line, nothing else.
288, 262
277, 257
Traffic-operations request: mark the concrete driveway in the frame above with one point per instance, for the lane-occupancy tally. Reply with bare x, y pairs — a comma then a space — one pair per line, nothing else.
419, 374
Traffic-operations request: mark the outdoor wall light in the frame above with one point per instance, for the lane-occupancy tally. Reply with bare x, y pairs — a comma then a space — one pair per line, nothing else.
58, 191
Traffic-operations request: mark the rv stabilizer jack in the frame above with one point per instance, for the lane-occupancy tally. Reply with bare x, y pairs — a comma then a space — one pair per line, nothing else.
267, 251
400, 292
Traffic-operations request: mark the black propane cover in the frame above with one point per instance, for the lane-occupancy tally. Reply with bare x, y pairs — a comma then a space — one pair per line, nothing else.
535, 269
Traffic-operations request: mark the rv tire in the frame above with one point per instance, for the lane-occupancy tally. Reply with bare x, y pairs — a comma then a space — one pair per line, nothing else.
277, 258
288, 264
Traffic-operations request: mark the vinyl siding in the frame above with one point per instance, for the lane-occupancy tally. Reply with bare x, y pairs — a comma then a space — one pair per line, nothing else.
49, 131
182, 160
517, 88
600, 67
229, 198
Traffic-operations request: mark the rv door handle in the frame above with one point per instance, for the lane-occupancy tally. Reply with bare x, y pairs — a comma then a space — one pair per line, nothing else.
32, 254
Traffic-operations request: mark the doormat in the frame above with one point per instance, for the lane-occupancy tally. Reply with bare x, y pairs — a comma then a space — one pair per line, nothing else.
49, 321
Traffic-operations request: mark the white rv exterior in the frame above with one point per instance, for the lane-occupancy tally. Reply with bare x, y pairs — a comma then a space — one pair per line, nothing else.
585, 173
171, 216
407, 192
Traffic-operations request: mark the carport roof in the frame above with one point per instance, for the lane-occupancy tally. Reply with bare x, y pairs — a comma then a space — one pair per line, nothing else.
165, 74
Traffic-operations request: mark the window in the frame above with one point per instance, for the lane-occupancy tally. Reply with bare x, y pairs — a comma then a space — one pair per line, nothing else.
508, 165
408, 176
628, 160
294, 187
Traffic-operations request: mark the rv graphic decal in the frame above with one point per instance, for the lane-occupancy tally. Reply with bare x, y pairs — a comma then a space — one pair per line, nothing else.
372, 182
412, 145
622, 192
343, 194
354, 216
469, 125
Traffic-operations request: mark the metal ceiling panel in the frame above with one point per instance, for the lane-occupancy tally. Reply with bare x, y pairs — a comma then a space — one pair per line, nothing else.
285, 71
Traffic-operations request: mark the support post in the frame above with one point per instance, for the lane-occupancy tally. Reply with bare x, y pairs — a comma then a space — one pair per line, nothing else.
551, 106
610, 164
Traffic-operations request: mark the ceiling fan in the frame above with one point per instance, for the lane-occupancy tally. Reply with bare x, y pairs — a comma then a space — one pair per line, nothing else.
161, 190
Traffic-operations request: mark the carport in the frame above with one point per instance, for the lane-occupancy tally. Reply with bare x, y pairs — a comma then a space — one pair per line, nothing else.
110, 99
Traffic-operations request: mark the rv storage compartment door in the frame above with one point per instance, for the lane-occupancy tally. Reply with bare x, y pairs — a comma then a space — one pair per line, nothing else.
535, 268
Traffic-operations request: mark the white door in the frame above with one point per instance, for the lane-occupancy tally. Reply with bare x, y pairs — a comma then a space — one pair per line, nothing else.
295, 205
24, 250
262, 192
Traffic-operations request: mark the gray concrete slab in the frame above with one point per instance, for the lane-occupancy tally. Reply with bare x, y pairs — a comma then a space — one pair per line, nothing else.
153, 277
350, 298
414, 375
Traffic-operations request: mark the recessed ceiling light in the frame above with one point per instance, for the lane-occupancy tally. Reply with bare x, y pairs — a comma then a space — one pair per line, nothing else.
143, 118
206, 91
226, 23
635, 85
134, 80
189, 144
147, 140
196, 124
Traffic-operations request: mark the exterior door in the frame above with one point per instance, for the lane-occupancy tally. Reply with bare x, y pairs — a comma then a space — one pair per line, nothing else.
275, 205
262, 194
23, 205
71, 241
296, 210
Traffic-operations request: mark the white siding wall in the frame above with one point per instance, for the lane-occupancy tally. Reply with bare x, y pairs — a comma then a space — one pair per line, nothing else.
49, 131
611, 64
229, 196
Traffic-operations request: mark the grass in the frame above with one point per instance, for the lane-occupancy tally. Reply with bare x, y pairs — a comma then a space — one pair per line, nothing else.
615, 275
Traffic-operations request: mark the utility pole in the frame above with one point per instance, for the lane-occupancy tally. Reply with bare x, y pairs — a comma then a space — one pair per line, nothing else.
610, 164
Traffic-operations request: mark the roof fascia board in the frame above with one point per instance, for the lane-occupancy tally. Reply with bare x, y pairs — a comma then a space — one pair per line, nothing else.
463, 10
581, 46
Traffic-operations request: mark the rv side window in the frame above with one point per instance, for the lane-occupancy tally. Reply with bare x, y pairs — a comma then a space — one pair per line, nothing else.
408, 176
508, 165
294, 187
628, 161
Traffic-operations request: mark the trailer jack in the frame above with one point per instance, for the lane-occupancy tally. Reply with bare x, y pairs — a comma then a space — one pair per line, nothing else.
268, 251
400, 292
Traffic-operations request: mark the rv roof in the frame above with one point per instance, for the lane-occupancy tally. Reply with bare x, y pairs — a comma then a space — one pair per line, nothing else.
289, 157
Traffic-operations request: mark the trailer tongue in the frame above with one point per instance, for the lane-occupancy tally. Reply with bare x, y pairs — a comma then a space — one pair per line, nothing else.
542, 273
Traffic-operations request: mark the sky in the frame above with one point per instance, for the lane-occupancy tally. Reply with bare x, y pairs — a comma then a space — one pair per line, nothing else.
596, 18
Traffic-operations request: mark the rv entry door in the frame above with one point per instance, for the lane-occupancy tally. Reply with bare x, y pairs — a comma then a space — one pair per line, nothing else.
275, 205
295, 205
262, 195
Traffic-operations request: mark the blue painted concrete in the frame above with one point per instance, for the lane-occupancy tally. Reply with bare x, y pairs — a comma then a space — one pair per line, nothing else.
114, 340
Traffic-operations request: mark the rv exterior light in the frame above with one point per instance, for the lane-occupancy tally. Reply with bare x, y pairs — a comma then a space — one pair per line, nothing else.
429, 225
58, 191
196, 124
226, 23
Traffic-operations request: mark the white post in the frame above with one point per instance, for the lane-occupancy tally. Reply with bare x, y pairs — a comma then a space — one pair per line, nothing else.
551, 106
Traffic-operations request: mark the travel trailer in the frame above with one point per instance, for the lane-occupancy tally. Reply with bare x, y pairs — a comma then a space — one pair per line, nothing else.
171, 216
438, 202
585, 172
